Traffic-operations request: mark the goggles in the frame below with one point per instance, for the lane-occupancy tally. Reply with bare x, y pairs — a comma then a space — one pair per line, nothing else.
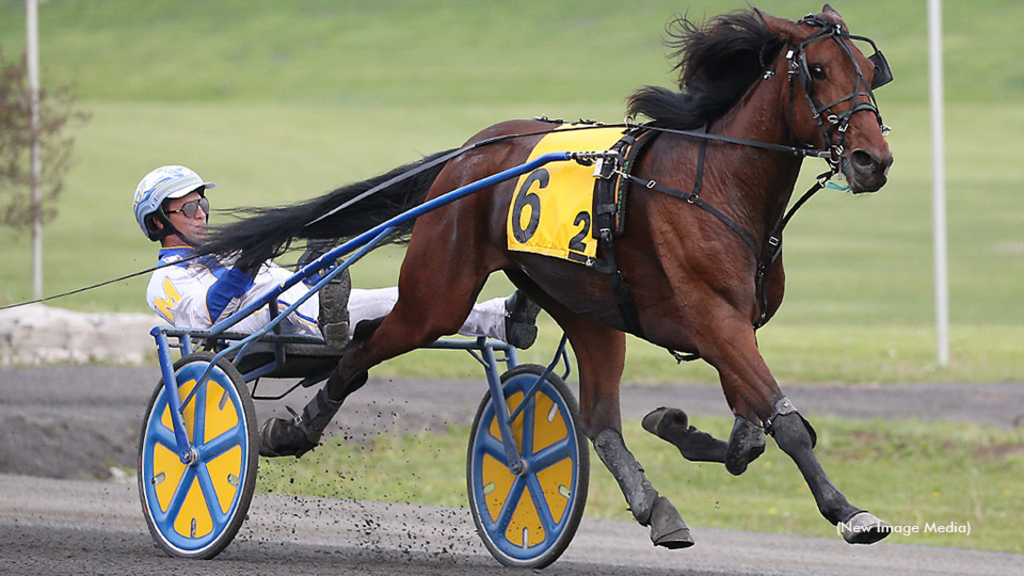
190, 209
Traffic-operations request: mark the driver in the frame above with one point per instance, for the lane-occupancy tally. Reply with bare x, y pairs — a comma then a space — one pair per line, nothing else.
171, 208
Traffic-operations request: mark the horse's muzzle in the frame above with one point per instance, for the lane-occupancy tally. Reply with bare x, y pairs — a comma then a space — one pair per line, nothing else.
867, 172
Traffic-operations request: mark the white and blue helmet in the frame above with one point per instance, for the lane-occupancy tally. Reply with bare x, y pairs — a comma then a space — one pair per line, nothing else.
159, 185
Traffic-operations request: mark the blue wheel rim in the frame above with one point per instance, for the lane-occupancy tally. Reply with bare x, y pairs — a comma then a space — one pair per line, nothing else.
205, 480
552, 502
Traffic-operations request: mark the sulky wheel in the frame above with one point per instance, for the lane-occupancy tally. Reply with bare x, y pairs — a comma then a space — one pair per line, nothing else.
528, 519
194, 510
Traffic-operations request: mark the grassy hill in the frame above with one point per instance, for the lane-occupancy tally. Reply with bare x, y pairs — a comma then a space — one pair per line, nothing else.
280, 101
471, 52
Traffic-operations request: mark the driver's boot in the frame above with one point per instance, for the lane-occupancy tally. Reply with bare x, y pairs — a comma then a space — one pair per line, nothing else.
520, 320
300, 434
333, 319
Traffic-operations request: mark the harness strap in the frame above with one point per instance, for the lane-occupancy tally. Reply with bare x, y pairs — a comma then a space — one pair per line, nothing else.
605, 230
699, 180
643, 139
695, 199
625, 302
763, 257
607, 197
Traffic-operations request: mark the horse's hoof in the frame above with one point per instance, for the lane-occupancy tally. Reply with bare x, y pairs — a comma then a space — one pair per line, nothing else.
864, 528
673, 426
746, 443
652, 421
667, 526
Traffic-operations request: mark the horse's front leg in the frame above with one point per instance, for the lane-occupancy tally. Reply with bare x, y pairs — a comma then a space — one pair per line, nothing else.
753, 394
746, 442
795, 436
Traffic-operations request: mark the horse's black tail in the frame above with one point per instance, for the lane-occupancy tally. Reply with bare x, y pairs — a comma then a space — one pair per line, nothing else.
266, 232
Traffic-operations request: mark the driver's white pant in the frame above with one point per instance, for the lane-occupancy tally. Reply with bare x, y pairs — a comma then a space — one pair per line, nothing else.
485, 319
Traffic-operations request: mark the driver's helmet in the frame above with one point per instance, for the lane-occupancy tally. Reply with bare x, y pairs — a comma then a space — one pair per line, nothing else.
159, 185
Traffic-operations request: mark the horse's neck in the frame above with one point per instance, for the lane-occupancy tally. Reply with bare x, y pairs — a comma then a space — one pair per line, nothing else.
761, 187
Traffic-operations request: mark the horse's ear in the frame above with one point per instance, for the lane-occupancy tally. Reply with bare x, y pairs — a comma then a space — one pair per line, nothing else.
785, 29
829, 11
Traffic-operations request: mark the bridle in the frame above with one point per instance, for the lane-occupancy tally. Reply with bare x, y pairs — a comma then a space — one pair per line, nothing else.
798, 70
862, 99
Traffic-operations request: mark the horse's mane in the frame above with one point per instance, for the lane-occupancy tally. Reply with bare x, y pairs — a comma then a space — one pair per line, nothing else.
718, 61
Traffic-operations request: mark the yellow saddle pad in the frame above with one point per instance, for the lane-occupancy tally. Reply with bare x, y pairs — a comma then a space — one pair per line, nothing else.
552, 208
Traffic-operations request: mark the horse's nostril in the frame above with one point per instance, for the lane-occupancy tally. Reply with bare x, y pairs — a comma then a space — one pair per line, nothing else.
862, 160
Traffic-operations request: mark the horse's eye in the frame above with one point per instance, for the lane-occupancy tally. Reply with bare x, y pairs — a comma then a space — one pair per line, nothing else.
818, 72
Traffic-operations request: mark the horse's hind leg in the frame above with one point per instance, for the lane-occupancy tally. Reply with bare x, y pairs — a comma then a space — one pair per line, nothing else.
435, 297
413, 323
600, 352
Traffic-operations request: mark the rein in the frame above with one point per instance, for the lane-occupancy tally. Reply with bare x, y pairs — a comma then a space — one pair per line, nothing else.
101, 284
808, 152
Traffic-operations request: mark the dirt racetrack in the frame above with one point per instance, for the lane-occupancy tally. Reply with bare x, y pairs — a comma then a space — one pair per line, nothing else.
79, 421
63, 428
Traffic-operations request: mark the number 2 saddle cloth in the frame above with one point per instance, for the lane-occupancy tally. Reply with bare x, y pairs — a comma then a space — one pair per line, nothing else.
552, 210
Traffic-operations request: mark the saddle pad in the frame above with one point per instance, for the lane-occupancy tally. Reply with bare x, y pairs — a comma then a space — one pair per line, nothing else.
552, 208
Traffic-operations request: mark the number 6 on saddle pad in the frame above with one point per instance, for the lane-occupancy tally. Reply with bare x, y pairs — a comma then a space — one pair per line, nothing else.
552, 208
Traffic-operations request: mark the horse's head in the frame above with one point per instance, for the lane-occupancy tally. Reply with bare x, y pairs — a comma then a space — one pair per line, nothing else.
831, 100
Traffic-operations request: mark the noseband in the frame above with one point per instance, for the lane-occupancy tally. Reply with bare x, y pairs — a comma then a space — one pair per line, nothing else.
837, 123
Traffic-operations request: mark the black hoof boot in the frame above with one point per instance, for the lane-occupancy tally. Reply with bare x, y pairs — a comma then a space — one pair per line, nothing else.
746, 443
280, 437
298, 435
672, 425
520, 320
667, 526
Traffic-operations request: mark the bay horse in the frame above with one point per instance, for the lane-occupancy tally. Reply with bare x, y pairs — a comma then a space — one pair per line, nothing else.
697, 272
